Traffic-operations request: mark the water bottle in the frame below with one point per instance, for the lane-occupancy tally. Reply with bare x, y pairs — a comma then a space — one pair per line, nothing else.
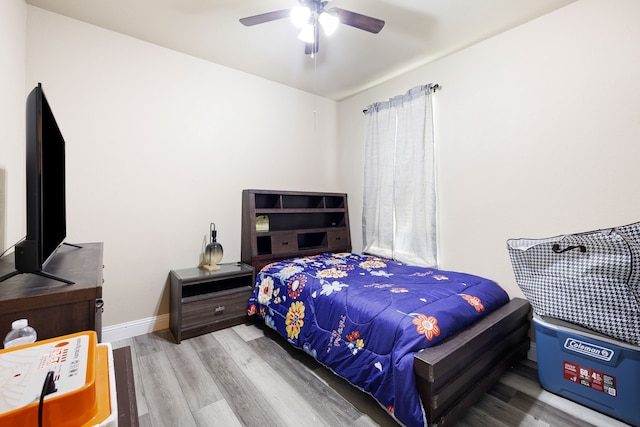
20, 333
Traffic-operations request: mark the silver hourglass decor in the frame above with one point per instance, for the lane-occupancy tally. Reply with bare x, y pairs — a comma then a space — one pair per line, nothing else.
213, 252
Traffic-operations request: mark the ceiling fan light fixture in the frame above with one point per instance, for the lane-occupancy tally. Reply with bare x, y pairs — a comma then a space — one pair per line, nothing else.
300, 16
310, 15
329, 22
307, 34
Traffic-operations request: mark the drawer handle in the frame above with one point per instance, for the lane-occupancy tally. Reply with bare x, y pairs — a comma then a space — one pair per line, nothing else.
285, 243
100, 305
219, 309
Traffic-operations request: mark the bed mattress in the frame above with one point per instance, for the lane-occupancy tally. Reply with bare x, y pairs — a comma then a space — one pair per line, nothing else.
366, 317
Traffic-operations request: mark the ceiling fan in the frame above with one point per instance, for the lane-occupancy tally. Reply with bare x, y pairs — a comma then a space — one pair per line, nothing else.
310, 15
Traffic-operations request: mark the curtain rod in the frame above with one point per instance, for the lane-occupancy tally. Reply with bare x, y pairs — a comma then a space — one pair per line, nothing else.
434, 88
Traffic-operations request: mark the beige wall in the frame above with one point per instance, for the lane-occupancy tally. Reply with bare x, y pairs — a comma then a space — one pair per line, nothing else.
160, 144
537, 130
13, 21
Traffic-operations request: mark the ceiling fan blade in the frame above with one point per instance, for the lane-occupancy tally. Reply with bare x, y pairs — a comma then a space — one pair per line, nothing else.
363, 22
265, 17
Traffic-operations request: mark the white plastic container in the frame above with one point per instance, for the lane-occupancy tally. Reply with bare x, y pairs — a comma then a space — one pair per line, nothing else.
20, 333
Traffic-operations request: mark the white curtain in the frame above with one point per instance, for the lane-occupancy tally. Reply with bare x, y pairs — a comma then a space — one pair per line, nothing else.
399, 206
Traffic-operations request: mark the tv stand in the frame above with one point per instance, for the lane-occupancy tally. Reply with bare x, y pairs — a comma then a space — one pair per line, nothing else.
9, 275
37, 273
53, 277
41, 272
72, 244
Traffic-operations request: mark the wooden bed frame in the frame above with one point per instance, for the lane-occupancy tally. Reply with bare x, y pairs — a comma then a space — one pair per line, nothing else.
454, 374
450, 376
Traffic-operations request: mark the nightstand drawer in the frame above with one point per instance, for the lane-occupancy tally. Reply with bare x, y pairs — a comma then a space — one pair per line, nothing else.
215, 308
204, 301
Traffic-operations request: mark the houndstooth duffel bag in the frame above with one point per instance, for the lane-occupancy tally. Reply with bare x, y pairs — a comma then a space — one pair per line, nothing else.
590, 279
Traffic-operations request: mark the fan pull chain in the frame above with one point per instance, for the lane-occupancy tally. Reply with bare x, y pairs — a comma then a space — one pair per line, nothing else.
315, 90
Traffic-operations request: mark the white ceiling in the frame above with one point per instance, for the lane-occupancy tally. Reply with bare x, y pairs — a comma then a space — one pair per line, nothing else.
351, 60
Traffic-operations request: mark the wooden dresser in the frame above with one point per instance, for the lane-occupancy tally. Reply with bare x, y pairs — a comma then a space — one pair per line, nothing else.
54, 308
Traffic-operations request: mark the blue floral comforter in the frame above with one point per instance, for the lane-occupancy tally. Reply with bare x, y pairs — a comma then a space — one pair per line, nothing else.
365, 317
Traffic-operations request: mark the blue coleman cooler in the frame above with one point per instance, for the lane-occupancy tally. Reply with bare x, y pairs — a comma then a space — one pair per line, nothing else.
589, 368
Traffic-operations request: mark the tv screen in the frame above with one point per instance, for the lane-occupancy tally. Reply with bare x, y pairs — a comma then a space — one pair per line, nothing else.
46, 201
52, 212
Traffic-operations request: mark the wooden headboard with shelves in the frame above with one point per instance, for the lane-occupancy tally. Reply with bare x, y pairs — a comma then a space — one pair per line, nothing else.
284, 224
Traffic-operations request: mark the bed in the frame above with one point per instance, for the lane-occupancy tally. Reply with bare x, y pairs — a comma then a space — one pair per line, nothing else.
425, 343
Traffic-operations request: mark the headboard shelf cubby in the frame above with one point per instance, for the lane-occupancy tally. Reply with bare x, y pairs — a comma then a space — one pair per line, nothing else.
283, 224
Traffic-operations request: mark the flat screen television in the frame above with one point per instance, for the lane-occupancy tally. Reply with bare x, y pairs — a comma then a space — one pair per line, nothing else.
46, 196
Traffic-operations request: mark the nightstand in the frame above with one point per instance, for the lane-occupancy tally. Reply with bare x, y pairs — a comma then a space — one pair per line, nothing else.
203, 301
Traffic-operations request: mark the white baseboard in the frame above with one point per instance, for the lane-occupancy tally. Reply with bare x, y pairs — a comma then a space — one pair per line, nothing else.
133, 329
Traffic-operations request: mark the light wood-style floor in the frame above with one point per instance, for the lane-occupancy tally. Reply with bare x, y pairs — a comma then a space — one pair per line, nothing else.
244, 376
